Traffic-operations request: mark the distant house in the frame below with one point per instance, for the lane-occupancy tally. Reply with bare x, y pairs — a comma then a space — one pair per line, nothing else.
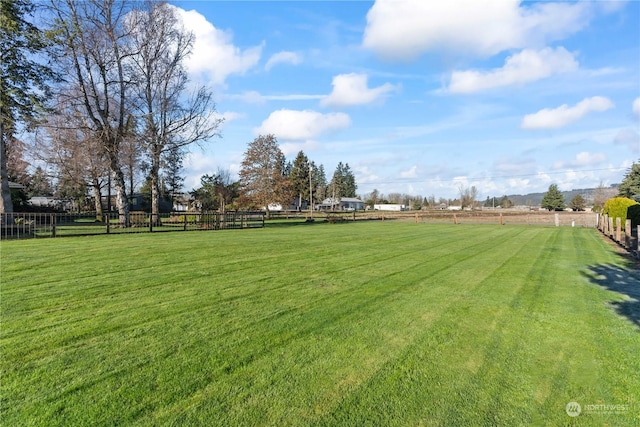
389, 207
345, 204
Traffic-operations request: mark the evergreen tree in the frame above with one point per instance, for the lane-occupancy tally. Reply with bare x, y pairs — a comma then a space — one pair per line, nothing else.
630, 185
505, 202
173, 171
349, 186
39, 184
335, 187
23, 81
553, 199
300, 178
577, 203
319, 183
216, 191
343, 182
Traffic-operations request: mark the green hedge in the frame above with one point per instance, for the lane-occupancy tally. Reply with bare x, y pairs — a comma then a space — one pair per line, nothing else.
619, 207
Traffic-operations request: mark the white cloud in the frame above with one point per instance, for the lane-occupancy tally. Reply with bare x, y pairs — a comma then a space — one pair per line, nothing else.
229, 116
254, 97
405, 29
302, 125
636, 107
554, 118
214, 55
351, 89
523, 67
293, 97
581, 160
412, 172
283, 57
290, 149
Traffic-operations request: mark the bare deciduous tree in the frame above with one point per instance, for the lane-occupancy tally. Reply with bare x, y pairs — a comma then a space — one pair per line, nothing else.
94, 48
170, 118
468, 196
70, 146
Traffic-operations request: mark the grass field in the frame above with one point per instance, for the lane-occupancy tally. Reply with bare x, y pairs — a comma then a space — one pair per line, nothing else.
357, 324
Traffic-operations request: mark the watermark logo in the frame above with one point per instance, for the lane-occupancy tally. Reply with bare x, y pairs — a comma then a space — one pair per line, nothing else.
573, 409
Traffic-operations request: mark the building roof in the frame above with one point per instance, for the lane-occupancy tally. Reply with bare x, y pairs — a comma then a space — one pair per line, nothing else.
16, 185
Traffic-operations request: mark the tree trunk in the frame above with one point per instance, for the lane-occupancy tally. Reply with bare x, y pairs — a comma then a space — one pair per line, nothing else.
122, 202
97, 200
155, 187
6, 205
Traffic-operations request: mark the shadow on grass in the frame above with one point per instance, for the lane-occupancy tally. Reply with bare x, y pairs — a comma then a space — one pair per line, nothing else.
294, 222
625, 281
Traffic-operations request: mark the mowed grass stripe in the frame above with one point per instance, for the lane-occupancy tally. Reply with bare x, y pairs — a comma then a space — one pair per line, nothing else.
344, 320
447, 341
368, 320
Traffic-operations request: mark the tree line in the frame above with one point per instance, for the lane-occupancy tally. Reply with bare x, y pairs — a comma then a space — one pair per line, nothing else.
267, 178
110, 106
103, 86
629, 188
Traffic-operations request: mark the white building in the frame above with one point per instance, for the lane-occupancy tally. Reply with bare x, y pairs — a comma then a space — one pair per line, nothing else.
389, 207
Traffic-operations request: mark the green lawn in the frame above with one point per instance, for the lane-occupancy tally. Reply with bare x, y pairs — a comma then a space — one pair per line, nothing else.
356, 324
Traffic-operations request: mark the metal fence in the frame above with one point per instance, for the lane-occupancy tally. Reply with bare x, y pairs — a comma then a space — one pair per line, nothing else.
34, 225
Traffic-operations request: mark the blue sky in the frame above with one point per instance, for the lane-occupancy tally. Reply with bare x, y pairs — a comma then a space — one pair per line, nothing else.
424, 97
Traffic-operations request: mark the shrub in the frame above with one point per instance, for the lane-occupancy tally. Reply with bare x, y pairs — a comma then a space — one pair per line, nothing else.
633, 213
618, 208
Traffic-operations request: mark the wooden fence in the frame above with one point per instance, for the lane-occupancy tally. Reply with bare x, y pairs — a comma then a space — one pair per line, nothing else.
627, 237
491, 216
33, 225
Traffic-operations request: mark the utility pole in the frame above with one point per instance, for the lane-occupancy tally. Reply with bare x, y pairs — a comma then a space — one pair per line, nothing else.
310, 190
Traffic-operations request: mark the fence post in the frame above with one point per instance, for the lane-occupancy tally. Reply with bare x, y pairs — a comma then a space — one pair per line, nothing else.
185, 221
610, 227
618, 229
502, 219
455, 219
638, 238
53, 225
150, 222
108, 222
627, 234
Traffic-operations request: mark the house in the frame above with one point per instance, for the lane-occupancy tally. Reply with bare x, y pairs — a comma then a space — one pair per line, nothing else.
345, 204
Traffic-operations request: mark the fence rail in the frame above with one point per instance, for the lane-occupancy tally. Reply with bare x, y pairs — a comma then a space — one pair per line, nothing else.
488, 216
34, 225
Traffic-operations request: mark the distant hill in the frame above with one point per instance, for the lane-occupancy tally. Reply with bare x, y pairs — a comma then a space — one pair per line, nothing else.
535, 199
